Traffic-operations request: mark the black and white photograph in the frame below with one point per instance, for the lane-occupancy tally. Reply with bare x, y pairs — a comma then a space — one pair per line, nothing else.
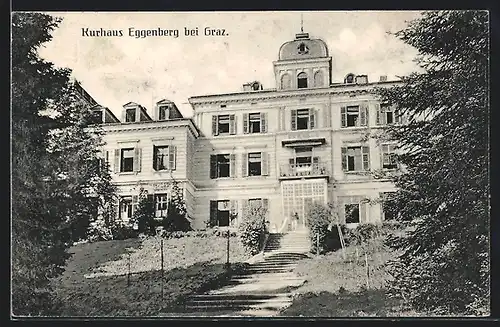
250, 164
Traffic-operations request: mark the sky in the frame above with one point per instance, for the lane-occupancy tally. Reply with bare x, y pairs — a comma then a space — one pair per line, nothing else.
116, 70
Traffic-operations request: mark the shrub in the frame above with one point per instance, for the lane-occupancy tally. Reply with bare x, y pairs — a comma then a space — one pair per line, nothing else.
252, 230
123, 231
323, 233
144, 214
363, 233
176, 219
99, 231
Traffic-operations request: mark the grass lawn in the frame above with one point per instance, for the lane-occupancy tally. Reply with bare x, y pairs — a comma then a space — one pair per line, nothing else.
95, 282
337, 284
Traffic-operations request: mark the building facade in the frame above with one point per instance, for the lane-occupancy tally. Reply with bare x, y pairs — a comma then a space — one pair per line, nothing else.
306, 140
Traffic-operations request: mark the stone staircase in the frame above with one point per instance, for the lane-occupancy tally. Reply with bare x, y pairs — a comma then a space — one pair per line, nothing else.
264, 288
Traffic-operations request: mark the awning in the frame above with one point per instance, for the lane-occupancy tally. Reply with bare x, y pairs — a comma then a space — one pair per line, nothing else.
304, 142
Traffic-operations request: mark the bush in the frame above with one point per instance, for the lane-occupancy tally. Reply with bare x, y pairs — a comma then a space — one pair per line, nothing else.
98, 231
363, 233
323, 239
123, 231
252, 230
175, 222
144, 214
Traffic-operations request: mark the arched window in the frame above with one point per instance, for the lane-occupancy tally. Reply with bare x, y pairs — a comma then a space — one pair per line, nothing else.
302, 80
349, 78
318, 78
286, 82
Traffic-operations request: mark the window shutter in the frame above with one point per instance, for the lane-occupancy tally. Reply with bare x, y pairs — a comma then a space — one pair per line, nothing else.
377, 107
397, 117
215, 130
245, 123
312, 118
265, 163
244, 208
213, 166
155, 158
344, 158
363, 115
283, 120
232, 125
363, 212
263, 122
233, 207
232, 165
137, 160
244, 165
124, 115
172, 156
265, 204
343, 117
294, 120
366, 158
213, 213
117, 161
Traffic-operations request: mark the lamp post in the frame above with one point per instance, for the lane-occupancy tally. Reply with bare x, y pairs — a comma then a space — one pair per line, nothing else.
228, 265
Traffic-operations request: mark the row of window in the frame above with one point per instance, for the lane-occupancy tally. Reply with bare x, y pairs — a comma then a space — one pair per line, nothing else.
128, 205
303, 119
129, 159
302, 80
354, 158
131, 114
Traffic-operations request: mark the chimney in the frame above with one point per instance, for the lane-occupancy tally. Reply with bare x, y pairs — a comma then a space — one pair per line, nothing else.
383, 78
361, 79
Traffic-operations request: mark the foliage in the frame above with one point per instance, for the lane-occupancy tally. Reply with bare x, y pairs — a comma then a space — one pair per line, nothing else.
144, 214
324, 228
123, 231
363, 232
56, 184
444, 190
252, 230
176, 219
99, 231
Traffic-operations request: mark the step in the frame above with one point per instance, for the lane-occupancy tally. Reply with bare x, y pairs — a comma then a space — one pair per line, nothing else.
258, 296
205, 308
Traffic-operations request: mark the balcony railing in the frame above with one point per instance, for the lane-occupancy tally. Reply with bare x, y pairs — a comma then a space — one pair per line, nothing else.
302, 170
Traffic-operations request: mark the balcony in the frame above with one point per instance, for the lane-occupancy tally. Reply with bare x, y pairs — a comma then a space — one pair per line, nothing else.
303, 171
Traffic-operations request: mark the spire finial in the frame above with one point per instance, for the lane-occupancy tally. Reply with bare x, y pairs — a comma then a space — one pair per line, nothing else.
301, 23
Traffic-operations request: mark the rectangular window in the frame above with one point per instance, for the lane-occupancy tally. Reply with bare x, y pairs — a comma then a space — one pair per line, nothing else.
127, 160
223, 124
388, 115
163, 113
254, 164
126, 210
160, 157
356, 158
254, 122
352, 213
303, 156
220, 165
302, 119
161, 205
389, 211
220, 213
352, 116
130, 115
388, 156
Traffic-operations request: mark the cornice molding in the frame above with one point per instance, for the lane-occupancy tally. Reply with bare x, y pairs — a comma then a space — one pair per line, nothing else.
259, 96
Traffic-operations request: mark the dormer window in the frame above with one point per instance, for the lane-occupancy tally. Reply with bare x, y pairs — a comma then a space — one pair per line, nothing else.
302, 81
130, 115
163, 113
349, 79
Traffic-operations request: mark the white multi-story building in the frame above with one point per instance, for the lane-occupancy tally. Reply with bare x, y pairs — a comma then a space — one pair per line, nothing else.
305, 140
